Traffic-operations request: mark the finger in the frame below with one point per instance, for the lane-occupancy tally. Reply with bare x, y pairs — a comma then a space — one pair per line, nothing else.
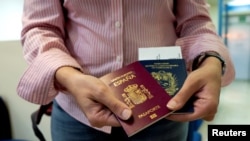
209, 118
190, 86
98, 115
198, 114
181, 117
104, 118
119, 108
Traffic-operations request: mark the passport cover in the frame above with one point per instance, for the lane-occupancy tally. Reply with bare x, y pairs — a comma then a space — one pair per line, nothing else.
171, 74
136, 87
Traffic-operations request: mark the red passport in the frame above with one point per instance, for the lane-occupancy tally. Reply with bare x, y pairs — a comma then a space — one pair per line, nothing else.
136, 87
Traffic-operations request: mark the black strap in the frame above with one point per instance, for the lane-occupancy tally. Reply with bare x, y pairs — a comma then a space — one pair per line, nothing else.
5, 123
36, 118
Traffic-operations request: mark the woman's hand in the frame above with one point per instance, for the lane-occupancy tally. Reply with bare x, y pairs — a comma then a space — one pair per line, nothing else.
204, 84
96, 100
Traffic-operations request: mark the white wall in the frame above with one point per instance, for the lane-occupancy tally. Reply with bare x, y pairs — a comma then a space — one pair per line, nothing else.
12, 66
214, 15
10, 15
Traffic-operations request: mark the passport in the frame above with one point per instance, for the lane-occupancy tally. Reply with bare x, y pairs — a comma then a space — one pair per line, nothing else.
170, 74
136, 87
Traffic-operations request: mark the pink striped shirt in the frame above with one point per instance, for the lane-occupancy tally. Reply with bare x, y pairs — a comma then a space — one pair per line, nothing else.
100, 36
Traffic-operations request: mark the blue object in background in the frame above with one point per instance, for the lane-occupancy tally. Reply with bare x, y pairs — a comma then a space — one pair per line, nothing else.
193, 133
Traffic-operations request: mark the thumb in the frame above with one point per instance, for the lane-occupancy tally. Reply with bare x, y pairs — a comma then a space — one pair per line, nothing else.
180, 99
119, 108
175, 103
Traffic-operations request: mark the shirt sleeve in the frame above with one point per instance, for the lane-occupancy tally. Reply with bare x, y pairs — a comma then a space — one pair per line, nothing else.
44, 50
196, 33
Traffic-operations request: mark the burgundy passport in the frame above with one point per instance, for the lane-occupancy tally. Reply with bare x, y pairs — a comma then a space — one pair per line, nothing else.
136, 87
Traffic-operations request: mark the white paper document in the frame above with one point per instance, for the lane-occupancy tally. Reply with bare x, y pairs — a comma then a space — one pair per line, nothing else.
158, 53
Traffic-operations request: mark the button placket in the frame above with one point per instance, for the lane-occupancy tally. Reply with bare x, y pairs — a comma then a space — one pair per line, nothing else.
117, 11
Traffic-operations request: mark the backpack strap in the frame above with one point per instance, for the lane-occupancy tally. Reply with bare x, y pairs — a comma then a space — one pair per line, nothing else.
5, 123
37, 116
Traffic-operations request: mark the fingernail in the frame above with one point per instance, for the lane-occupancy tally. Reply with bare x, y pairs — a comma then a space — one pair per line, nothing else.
172, 104
126, 114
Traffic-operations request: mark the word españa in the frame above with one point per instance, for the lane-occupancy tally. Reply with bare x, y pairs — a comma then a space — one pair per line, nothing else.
123, 78
216, 132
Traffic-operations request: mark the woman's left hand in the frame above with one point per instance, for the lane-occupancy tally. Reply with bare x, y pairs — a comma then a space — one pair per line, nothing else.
204, 84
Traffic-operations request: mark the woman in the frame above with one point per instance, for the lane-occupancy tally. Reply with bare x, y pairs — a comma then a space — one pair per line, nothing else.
70, 44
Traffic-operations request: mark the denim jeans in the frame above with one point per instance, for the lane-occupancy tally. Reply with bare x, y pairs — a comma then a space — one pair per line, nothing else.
66, 128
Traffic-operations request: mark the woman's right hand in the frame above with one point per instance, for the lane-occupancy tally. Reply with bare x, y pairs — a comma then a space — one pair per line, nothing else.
95, 98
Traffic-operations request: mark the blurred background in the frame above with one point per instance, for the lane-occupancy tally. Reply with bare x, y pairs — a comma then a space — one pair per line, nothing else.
232, 21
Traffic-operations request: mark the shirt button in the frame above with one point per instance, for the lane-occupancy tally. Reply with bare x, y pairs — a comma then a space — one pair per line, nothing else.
118, 24
118, 59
